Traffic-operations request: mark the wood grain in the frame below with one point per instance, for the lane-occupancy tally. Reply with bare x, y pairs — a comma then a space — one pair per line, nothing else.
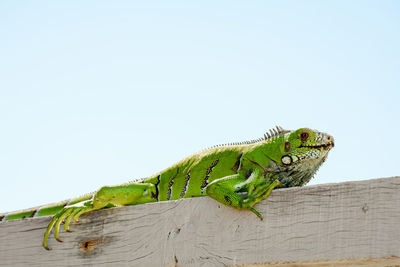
348, 220
369, 262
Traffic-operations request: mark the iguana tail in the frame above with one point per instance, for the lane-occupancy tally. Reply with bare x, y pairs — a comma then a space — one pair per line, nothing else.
45, 210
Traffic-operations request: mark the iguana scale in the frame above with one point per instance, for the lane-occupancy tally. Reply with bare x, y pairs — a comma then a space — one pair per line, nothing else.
238, 175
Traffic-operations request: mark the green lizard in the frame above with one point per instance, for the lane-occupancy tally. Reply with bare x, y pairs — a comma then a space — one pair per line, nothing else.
238, 175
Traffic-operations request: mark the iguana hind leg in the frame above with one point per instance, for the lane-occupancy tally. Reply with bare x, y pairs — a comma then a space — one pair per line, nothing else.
239, 192
127, 194
121, 195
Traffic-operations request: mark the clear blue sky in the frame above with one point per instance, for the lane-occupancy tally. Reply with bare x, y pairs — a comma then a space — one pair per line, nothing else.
97, 93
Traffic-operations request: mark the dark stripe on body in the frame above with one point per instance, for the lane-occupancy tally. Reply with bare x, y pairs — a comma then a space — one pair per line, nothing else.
248, 174
209, 170
228, 200
236, 167
155, 196
33, 213
185, 186
171, 183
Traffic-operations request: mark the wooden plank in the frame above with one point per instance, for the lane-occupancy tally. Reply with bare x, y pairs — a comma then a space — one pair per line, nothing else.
324, 222
380, 262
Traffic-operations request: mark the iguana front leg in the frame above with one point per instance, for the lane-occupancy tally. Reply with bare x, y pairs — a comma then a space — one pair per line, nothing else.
122, 195
66, 214
240, 192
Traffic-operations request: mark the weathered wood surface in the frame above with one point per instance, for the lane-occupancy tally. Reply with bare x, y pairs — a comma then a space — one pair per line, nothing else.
323, 222
368, 262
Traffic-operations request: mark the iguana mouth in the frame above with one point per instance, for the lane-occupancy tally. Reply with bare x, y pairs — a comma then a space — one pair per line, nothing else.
326, 146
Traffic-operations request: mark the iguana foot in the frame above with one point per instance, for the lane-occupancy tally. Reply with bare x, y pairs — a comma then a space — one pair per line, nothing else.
66, 214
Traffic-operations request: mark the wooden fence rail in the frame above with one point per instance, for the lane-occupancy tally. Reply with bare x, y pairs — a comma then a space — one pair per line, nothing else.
329, 222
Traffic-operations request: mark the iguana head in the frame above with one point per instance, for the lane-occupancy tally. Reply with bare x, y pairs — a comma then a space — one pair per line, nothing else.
300, 154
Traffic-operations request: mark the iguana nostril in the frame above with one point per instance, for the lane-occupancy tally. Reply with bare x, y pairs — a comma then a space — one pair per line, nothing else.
331, 140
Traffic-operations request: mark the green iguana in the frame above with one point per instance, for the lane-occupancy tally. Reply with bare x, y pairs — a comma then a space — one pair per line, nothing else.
238, 175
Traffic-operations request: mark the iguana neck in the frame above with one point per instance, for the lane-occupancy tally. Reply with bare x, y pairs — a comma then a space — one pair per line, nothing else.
295, 175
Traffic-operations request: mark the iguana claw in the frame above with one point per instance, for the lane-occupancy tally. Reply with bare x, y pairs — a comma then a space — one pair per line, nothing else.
65, 215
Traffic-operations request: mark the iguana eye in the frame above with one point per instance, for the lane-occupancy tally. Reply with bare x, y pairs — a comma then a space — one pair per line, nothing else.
287, 160
304, 136
287, 146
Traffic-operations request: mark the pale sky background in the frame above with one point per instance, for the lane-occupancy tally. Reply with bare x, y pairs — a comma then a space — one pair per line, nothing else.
97, 93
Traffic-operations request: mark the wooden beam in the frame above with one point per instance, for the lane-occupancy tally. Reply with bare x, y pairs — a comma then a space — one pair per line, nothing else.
348, 220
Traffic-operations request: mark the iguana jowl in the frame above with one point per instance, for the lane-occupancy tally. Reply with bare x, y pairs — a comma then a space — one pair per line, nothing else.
238, 175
